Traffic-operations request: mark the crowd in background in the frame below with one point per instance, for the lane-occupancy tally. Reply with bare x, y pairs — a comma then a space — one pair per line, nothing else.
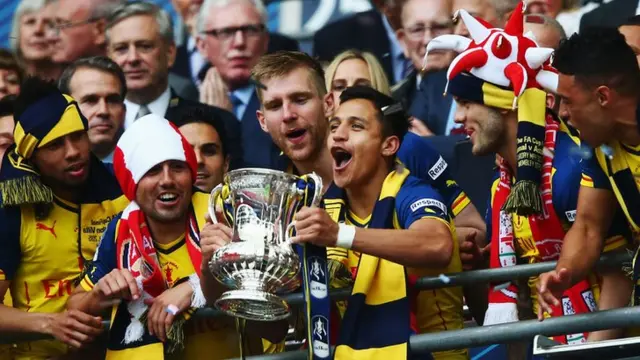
120, 62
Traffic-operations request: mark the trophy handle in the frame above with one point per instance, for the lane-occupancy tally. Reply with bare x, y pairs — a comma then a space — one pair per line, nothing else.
287, 237
215, 194
317, 189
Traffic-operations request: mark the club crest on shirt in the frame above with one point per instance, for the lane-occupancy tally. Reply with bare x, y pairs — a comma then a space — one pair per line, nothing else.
320, 336
317, 277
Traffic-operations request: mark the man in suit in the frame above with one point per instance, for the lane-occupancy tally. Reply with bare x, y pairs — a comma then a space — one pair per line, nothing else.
233, 37
190, 64
372, 31
421, 92
140, 41
612, 14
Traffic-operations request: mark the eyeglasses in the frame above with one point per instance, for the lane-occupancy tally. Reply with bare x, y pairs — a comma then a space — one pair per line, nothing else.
417, 32
226, 34
63, 25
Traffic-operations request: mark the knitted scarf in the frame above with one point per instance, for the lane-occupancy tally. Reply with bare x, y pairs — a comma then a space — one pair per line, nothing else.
547, 233
378, 313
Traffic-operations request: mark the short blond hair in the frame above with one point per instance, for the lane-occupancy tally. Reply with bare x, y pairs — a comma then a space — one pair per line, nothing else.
282, 63
378, 79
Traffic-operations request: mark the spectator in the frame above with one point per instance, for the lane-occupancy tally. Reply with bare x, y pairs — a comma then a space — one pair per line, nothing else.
631, 31
495, 12
6, 123
99, 87
190, 63
140, 40
232, 35
29, 40
204, 132
10, 74
51, 226
611, 14
371, 31
566, 12
421, 92
548, 33
80, 28
351, 68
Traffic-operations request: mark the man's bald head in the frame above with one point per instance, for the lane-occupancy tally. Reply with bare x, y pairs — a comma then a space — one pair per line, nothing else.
495, 12
547, 31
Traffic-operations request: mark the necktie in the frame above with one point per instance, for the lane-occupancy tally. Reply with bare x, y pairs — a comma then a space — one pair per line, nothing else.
407, 66
144, 110
236, 102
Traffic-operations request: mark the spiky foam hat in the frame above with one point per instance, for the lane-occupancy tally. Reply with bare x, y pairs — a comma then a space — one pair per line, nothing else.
505, 69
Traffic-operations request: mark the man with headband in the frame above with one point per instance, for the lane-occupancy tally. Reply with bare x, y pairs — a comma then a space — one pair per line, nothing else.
599, 81
56, 199
149, 261
496, 84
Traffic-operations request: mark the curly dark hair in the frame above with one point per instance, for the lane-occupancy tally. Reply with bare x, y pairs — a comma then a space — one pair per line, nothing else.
599, 56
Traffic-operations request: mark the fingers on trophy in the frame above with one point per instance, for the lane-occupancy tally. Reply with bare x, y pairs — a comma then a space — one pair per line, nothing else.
259, 263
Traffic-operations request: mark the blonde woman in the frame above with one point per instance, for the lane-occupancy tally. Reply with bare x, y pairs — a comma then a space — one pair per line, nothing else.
353, 67
438, 310
30, 38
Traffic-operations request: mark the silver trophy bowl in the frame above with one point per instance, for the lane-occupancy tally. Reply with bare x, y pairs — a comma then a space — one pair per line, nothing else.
259, 205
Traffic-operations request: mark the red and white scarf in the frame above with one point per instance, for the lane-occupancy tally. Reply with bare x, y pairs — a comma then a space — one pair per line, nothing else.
135, 244
548, 234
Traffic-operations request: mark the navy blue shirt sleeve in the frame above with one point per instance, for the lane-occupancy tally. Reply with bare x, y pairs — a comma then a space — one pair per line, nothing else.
418, 200
424, 162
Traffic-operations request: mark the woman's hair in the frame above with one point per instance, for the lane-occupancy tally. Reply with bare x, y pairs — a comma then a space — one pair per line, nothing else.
9, 62
378, 79
24, 7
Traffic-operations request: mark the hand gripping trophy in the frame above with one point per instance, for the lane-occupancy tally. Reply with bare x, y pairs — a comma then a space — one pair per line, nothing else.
259, 205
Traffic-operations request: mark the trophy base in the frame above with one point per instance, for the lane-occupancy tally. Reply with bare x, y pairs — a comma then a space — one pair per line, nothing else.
253, 305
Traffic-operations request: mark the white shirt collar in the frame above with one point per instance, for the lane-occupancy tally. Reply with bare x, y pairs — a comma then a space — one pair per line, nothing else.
158, 106
396, 48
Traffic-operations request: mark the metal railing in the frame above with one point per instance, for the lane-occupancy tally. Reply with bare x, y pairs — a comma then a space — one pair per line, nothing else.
471, 337
505, 333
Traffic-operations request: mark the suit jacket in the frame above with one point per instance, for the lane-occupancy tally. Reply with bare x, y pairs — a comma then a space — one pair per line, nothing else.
427, 103
612, 14
182, 65
232, 132
258, 148
184, 87
363, 31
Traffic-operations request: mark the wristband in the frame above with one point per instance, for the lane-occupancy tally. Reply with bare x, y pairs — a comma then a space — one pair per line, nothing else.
346, 234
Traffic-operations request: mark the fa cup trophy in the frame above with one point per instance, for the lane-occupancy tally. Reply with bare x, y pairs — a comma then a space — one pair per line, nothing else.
259, 205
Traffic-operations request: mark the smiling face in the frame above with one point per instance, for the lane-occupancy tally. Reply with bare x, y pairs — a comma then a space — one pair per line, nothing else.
164, 192
357, 144
293, 113
484, 125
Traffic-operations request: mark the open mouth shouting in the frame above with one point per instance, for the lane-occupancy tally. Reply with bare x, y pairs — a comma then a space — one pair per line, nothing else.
296, 136
341, 158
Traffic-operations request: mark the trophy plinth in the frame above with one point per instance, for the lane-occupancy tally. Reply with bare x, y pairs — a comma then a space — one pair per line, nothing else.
259, 263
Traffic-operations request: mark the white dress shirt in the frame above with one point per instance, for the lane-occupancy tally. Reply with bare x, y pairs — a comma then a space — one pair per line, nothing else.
158, 106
